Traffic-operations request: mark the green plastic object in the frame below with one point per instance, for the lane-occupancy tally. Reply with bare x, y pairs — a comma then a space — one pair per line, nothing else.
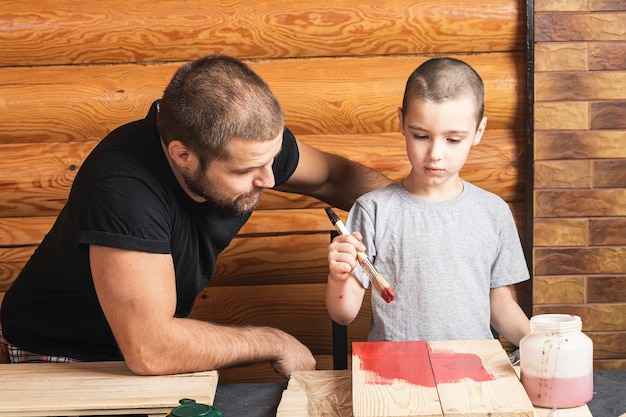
189, 408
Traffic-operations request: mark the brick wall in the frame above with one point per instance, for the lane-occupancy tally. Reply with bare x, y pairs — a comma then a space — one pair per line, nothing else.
580, 168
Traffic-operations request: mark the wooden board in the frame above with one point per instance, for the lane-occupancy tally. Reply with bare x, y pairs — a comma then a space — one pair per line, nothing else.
393, 379
329, 394
461, 378
96, 388
476, 378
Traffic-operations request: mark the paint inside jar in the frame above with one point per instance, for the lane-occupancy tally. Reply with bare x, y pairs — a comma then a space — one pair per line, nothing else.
559, 392
556, 362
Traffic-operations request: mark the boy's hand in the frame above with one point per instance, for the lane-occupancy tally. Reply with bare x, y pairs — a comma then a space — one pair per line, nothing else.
342, 255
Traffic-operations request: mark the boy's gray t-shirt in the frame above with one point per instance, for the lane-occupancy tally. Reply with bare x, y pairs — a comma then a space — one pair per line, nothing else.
440, 258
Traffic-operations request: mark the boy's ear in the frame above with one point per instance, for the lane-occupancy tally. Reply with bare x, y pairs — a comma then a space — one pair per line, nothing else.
401, 120
480, 131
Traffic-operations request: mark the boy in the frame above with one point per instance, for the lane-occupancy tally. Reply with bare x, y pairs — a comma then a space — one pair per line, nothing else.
447, 248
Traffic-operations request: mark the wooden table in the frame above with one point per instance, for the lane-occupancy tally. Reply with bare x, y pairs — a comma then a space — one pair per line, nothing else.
333, 393
96, 388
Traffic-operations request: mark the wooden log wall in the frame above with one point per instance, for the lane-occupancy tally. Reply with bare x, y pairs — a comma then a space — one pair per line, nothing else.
580, 169
70, 72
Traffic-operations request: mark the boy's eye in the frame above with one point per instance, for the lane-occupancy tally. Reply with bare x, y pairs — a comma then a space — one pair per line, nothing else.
454, 140
421, 137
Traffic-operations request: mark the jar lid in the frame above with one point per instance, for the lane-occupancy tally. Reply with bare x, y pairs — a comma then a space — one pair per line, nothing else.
189, 408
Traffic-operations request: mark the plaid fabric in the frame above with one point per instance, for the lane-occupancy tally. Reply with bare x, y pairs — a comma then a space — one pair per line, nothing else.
13, 354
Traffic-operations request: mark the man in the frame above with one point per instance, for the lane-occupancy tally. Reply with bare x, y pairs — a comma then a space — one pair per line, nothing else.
151, 208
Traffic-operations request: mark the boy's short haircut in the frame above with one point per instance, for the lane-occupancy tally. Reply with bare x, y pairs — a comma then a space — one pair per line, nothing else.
440, 79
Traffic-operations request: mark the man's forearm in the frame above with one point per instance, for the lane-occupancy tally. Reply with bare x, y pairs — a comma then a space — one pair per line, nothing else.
188, 345
350, 180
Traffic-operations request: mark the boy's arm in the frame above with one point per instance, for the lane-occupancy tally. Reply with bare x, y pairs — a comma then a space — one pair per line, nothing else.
344, 293
507, 317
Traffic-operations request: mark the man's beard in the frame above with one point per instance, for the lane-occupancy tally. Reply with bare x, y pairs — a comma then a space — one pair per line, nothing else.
201, 186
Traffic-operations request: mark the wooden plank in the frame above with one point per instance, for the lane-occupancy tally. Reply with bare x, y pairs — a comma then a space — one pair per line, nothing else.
344, 95
35, 178
278, 256
88, 32
93, 388
475, 378
393, 379
317, 393
285, 307
296, 398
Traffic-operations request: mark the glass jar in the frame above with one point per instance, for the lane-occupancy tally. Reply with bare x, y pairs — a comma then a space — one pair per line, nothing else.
556, 362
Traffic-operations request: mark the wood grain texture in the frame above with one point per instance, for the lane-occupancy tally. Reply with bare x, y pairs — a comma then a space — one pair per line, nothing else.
328, 394
94, 388
345, 95
501, 396
35, 178
72, 72
384, 390
116, 31
285, 307
261, 255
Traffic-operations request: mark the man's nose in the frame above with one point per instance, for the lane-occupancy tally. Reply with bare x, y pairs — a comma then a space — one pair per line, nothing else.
265, 178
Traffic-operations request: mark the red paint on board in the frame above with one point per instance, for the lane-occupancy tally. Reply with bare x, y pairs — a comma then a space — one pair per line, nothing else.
387, 361
451, 367
415, 362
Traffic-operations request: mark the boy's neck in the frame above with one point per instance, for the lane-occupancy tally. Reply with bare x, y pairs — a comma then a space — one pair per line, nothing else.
448, 190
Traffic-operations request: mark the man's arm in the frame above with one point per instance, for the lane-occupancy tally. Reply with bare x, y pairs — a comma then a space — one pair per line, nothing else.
507, 317
138, 296
332, 178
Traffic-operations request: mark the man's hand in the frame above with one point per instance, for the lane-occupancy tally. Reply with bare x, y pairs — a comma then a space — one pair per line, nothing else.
293, 356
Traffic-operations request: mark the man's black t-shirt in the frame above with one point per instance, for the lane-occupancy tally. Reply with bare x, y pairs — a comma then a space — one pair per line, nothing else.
124, 196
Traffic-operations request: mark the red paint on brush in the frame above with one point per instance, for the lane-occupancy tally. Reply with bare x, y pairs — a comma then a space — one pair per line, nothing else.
416, 363
388, 295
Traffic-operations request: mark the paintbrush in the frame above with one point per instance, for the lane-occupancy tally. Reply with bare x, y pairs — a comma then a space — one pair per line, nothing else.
375, 277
